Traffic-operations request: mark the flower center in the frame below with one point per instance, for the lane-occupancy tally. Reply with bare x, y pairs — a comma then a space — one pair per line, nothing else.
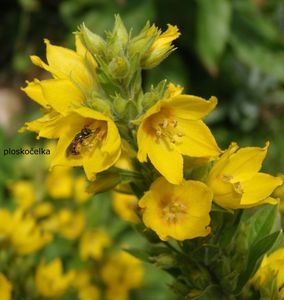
167, 129
173, 210
237, 185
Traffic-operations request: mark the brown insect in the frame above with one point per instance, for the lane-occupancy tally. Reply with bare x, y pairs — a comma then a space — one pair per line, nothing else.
76, 145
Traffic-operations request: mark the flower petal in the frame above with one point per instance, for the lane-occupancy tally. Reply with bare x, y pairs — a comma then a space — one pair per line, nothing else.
49, 126
192, 107
144, 140
224, 194
34, 91
245, 163
61, 94
167, 161
68, 63
198, 140
258, 188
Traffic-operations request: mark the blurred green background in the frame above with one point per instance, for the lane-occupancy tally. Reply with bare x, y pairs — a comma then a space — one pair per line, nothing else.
233, 49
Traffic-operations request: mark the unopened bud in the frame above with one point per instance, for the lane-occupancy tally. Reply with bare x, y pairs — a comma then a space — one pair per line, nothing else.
119, 67
120, 31
104, 183
93, 42
119, 105
164, 261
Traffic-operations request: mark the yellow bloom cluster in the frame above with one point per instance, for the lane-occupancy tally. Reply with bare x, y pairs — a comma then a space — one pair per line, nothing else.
121, 273
95, 104
22, 231
32, 235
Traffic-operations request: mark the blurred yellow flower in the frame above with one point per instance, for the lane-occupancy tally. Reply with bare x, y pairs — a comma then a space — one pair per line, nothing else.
236, 181
177, 211
271, 264
70, 224
82, 278
161, 47
22, 232
89, 292
59, 183
80, 186
6, 221
5, 288
120, 273
92, 244
50, 279
125, 205
172, 128
23, 192
26, 235
117, 293
42, 209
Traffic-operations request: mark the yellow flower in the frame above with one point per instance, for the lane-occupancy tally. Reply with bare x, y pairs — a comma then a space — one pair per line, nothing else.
26, 235
42, 209
97, 151
80, 186
23, 192
172, 128
236, 181
22, 232
122, 271
59, 183
6, 222
177, 211
70, 224
161, 47
93, 243
272, 264
89, 292
82, 278
125, 206
5, 288
87, 137
50, 280
117, 293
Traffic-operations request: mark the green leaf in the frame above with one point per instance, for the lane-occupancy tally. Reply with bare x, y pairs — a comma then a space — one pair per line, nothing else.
257, 251
213, 27
261, 222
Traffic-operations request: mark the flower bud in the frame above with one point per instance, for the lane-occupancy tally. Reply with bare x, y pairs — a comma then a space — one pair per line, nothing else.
104, 183
119, 105
160, 48
164, 261
119, 67
120, 31
93, 42
143, 41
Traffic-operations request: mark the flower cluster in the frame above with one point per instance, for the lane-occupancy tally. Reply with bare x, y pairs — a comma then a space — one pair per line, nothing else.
175, 177
47, 240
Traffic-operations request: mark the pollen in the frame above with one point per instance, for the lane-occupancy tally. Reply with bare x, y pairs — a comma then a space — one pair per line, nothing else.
238, 187
166, 129
173, 210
